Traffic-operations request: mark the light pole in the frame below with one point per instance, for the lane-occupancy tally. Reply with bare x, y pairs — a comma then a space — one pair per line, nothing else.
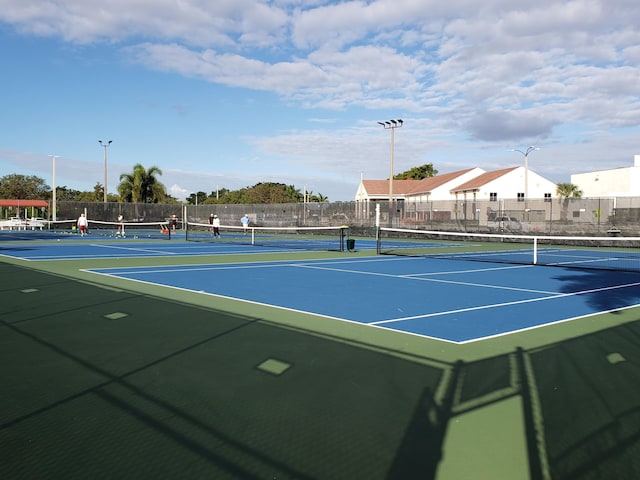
391, 125
105, 145
526, 169
53, 187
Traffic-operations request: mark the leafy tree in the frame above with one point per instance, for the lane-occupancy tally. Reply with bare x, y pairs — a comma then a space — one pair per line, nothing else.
568, 190
65, 193
22, 187
197, 198
417, 173
565, 191
216, 196
98, 192
294, 193
142, 186
267, 192
311, 197
234, 197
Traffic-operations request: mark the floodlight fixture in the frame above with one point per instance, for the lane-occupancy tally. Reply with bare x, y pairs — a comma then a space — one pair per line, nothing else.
391, 125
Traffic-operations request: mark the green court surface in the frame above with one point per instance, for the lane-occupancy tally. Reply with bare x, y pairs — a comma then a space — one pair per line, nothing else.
104, 378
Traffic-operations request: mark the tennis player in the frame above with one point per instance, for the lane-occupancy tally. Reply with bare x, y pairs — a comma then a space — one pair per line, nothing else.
120, 226
245, 222
216, 226
83, 223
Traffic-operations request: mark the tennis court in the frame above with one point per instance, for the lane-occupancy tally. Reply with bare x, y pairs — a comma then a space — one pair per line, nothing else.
456, 301
95, 249
147, 358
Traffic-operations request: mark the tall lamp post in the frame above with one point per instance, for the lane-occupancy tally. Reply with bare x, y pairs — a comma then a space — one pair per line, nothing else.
105, 145
391, 125
53, 187
526, 168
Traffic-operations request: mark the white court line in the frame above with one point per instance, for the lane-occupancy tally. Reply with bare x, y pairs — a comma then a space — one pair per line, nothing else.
474, 270
226, 266
434, 280
223, 266
306, 264
497, 305
149, 250
186, 268
378, 324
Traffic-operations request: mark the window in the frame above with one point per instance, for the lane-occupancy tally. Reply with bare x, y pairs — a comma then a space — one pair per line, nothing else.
547, 197
520, 197
493, 196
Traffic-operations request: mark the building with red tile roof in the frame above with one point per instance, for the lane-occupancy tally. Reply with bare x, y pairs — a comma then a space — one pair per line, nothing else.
507, 183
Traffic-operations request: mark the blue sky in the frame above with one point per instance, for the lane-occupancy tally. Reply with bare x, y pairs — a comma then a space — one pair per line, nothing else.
229, 93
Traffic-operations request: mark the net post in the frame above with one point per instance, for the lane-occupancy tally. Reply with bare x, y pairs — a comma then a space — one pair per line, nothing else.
343, 234
378, 241
535, 250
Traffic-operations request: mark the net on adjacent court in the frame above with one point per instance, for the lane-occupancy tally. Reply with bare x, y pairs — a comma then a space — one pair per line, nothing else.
60, 225
143, 230
609, 253
129, 230
306, 238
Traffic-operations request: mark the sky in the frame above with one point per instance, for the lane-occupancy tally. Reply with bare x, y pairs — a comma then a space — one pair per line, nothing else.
230, 93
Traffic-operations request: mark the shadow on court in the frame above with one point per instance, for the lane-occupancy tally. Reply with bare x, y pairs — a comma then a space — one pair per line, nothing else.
108, 383
603, 298
588, 392
105, 383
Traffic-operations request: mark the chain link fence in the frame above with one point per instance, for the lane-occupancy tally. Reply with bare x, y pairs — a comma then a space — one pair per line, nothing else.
552, 216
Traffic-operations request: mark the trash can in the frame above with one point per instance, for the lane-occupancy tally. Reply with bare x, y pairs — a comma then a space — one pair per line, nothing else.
351, 244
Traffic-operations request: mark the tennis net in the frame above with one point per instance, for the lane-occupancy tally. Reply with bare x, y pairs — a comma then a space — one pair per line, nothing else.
129, 230
306, 238
607, 253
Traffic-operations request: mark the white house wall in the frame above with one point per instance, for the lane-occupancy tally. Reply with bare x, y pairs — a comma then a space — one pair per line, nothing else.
361, 193
617, 182
512, 183
443, 192
608, 183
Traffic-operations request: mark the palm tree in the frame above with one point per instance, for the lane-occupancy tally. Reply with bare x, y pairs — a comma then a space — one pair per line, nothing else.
565, 191
142, 186
293, 193
318, 198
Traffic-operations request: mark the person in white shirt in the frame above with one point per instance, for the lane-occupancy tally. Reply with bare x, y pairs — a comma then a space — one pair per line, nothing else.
120, 231
216, 226
245, 222
83, 224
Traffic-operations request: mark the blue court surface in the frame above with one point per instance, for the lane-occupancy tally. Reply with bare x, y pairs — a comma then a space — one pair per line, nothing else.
87, 249
451, 300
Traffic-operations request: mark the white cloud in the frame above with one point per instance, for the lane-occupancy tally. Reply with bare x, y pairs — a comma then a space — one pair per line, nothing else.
178, 192
465, 72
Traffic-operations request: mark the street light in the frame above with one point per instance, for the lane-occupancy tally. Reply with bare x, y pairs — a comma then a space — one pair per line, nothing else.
526, 168
105, 145
391, 125
53, 187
